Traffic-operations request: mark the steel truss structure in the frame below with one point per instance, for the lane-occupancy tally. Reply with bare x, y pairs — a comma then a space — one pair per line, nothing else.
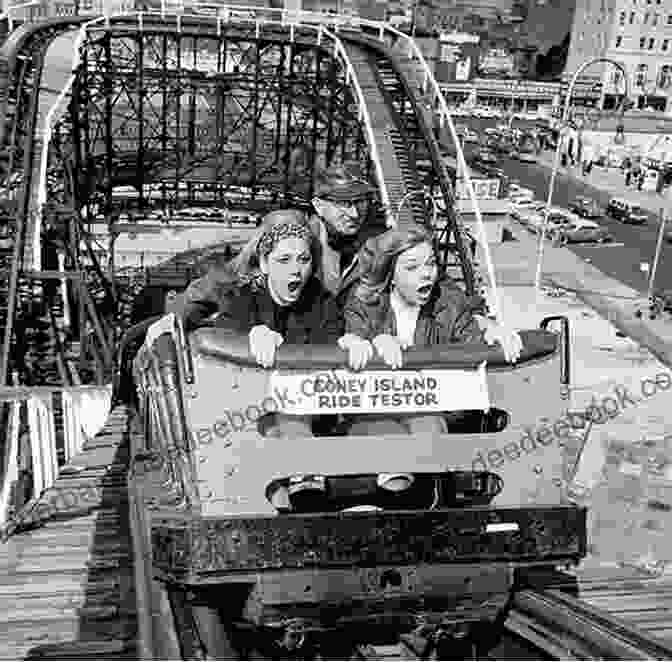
183, 118
168, 115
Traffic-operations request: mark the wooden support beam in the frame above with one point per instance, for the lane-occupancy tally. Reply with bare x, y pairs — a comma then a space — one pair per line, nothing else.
14, 393
47, 275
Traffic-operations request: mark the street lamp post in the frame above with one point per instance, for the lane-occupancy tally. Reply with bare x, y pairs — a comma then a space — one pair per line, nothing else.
556, 161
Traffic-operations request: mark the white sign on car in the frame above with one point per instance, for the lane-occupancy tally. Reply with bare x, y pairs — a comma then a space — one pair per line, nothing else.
402, 391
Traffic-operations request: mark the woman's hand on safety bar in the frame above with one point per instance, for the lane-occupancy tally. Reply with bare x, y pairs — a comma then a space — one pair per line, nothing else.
359, 350
510, 340
263, 343
390, 350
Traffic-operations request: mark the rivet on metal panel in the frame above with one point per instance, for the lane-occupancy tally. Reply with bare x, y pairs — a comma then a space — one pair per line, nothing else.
538, 469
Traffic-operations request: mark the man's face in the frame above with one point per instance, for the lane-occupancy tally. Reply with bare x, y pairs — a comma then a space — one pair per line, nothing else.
344, 218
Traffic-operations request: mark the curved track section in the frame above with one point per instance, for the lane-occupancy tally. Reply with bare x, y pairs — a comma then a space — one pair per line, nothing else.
21, 63
413, 149
541, 623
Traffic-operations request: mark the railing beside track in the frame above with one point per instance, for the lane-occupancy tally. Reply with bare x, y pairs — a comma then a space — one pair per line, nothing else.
225, 13
292, 19
34, 455
33, 202
322, 34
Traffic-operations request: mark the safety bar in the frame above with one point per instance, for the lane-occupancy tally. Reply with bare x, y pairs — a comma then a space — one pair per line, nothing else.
229, 346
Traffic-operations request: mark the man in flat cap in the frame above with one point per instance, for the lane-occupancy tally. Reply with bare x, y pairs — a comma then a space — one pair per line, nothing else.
341, 203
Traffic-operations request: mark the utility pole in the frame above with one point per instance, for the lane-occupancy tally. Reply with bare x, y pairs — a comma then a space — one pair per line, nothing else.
556, 160
659, 245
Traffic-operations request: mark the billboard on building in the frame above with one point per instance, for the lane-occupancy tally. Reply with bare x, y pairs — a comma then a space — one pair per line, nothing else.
497, 62
458, 57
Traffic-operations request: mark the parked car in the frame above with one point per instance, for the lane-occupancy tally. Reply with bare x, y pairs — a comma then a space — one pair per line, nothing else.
527, 157
519, 209
637, 215
470, 136
582, 230
521, 199
533, 220
485, 156
586, 208
558, 220
627, 212
517, 189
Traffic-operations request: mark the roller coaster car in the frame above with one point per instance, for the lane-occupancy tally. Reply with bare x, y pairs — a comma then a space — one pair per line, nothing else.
344, 531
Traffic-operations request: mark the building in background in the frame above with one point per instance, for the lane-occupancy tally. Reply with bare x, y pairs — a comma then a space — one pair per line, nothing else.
458, 57
636, 34
497, 63
373, 10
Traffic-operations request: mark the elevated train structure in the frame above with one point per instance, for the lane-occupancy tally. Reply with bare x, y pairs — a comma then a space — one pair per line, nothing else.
207, 538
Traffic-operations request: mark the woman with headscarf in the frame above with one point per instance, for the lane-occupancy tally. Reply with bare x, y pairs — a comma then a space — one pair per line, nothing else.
404, 300
270, 293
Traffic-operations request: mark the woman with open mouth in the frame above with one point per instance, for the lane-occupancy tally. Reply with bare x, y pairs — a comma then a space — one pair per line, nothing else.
272, 294
404, 300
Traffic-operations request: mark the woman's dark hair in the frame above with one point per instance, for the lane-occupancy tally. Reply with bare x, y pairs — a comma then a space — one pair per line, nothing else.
378, 258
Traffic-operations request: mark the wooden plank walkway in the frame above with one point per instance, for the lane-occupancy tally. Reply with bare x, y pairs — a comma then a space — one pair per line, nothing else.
67, 583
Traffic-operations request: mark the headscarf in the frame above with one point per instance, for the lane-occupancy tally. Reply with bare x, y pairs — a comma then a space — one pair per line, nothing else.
270, 239
378, 258
275, 226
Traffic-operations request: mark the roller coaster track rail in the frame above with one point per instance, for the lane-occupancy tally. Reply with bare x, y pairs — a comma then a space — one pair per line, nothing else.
383, 32
21, 59
549, 622
540, 625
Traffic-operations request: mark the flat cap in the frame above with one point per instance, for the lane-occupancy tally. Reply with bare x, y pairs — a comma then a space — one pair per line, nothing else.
342, 183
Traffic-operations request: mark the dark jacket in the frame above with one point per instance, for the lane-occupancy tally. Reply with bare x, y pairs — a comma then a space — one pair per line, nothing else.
313, 319
350, 269
447, 317
201, 299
